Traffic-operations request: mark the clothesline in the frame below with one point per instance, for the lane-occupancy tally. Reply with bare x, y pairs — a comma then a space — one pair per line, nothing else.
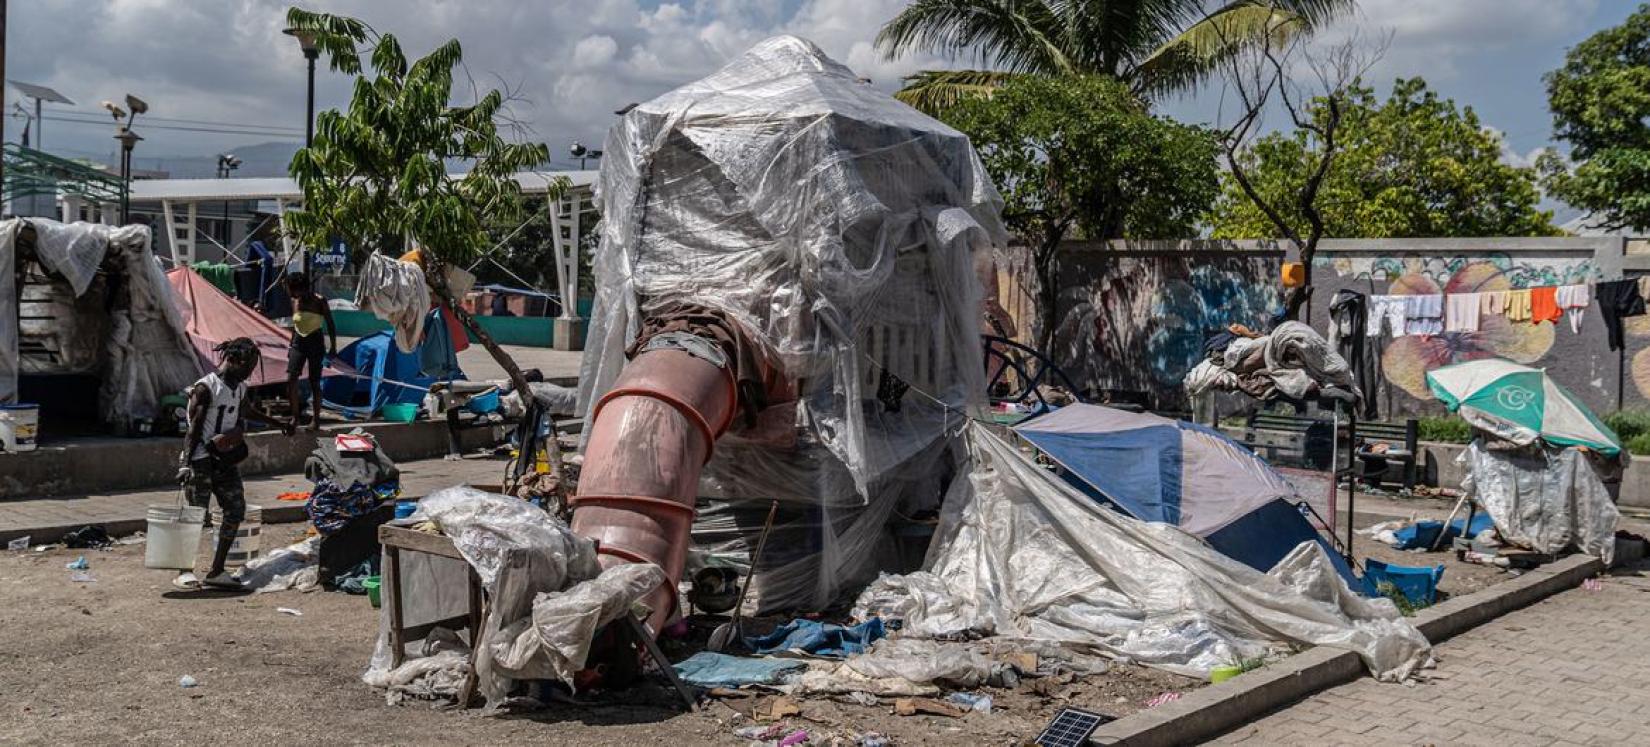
1434, 313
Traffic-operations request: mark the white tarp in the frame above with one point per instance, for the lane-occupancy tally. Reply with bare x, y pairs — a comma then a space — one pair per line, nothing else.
1543, 498
395, 291
148, 353
1021, 554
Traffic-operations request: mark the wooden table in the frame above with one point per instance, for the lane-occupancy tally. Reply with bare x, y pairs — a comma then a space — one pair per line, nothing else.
395, 540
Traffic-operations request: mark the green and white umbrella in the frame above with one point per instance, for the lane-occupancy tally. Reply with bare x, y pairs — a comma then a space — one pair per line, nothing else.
1520, 404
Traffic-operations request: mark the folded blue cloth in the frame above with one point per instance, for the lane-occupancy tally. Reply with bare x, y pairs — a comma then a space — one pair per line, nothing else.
819, 639
709, 669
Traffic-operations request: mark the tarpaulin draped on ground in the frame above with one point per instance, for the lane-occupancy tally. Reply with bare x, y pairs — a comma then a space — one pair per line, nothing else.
1021, 554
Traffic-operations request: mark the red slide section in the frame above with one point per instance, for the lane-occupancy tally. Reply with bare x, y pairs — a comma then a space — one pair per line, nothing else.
649, 439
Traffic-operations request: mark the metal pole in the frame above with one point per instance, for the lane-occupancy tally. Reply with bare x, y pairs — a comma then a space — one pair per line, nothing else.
2, 77
39, 130
125, 184
309, 134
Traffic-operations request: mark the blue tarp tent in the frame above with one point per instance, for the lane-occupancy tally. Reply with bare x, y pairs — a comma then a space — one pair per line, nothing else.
384, 370
1157, 469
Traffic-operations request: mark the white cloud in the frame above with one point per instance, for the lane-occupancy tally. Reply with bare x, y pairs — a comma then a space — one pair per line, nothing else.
594, 51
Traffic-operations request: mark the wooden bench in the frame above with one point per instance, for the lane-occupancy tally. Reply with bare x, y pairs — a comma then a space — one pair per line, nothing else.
1309, 442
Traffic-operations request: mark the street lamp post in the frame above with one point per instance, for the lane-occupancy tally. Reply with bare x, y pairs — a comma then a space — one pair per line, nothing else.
227, 162
306, 42
128, 140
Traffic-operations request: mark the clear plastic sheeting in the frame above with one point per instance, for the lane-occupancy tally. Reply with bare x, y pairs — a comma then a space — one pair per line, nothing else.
554, 641
9, 358
1022, 555
292, 567
148, 354
1543, 498
487, 528
839, 229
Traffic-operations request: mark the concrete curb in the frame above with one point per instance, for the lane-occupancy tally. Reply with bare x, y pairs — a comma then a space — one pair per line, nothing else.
1213, 710
285, 513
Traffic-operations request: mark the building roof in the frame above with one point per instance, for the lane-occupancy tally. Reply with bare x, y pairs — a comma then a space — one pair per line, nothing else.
204, 190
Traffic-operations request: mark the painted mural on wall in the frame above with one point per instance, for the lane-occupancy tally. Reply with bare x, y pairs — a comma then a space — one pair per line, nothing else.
1405, 361
1136, 324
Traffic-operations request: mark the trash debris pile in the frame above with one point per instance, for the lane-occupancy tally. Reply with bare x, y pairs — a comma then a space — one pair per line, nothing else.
834, 232
1293, 361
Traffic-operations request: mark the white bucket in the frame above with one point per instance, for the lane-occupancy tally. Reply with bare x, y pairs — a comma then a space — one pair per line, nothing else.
19, 426
174, 536
248, 544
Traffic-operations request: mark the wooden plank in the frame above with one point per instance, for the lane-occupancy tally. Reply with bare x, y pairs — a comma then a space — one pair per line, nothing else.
434, 544
398, 640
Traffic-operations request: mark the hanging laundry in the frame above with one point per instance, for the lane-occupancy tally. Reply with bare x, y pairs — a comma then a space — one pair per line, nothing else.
1644, 287
1617, 300
1461, 312
1424, 314
1387, 314
1494, 303
1518, 305
395, 292
1544, 305
1349, 336
1575, 299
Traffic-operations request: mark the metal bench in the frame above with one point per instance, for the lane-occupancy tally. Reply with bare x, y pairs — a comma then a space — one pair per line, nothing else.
1309, 442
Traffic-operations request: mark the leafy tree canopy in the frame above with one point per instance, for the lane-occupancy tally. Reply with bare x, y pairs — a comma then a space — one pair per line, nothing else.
1156, 46
1412, 166
1601, 106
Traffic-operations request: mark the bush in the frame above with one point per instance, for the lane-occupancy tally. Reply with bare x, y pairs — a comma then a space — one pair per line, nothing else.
1448, 429
1638, 445
1629, 424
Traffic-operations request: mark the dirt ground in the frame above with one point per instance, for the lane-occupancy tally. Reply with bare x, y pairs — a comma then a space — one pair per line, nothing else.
99, 663
1459, 577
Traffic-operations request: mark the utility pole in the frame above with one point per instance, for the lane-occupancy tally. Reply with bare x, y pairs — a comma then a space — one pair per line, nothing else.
2, 78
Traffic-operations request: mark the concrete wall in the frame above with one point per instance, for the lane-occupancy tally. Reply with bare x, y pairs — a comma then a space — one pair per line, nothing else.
94, 466
1581, 361
1132, 315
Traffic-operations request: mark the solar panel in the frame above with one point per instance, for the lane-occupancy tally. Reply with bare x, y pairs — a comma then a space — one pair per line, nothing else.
40, 92
1071, 727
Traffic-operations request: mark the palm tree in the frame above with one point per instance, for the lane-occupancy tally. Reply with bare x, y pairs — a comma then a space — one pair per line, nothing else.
1156, 46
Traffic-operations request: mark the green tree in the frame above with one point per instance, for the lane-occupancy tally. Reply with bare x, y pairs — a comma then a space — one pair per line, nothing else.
1155, 46
1080, 156
1601, 106
1412, 166
376, 173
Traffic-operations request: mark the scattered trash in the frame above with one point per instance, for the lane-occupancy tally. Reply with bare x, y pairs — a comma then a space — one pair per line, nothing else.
135, 538
914, 706
864, 699
1168, 697
78, 564
21, 543
977, 702
819, 639
783, 707
187, 681
289, 611
760, 733
872, 739
81, 577
796, 737
1593, 584
89, 537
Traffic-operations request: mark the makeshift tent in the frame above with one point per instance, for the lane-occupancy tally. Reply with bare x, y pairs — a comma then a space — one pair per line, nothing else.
212, 317
1180, 473
1024, 555
145, 354
1520, 404
383, 375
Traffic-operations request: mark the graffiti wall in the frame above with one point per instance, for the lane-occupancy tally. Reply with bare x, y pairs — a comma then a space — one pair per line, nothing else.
1578, 359
1132, 323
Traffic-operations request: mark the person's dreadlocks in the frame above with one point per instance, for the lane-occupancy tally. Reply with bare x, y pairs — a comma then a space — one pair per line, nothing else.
241, 350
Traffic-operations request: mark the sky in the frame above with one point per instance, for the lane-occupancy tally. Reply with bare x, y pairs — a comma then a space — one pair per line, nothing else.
225, 65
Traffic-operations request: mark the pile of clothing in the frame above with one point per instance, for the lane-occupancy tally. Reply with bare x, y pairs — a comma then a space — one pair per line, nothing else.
1293, 361
352, 478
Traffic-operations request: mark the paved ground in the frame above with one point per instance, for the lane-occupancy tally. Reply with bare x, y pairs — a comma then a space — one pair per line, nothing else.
1562, 671
417, 478
555, 364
